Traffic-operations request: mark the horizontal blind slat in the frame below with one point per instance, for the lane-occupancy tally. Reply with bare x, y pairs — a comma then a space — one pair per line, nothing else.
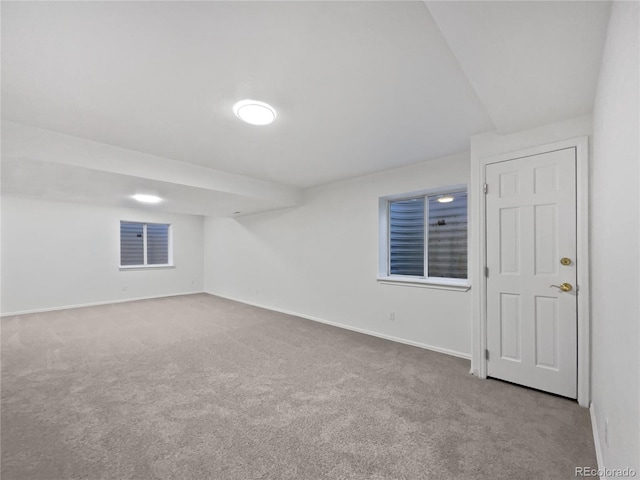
448, 237
406, 237
157, 244
131, 244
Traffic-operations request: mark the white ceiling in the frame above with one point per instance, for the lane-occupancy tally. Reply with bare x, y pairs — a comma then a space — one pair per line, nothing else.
531, 63
49, 165
359, 86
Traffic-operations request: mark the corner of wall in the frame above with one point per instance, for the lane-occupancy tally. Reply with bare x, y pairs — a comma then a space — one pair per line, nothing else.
615, 305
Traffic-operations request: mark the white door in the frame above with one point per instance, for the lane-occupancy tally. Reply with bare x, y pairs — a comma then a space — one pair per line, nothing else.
531, 260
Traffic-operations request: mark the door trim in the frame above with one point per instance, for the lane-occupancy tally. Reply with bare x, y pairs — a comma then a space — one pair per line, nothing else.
479, 335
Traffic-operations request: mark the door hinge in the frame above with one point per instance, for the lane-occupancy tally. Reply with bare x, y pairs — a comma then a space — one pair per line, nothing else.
485, 188
486, 353
486, 272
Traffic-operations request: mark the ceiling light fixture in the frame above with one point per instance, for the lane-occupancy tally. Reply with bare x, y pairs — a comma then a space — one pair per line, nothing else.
254, 112
445, 199
146, 198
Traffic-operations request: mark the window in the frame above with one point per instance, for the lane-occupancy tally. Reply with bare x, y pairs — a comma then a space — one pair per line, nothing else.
423, 237
145, 245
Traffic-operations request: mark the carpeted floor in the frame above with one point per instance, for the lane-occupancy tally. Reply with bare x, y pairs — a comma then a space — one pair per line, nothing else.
198, 387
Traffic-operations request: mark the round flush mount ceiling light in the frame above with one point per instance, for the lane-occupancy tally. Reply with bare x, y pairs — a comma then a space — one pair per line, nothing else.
254, 112
445, 199
146, 198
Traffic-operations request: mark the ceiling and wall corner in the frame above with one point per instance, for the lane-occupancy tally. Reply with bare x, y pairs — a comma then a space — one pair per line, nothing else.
148, 88
531, 63
49, 165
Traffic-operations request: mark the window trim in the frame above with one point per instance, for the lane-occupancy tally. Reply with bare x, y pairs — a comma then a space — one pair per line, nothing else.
384, 258
144, 266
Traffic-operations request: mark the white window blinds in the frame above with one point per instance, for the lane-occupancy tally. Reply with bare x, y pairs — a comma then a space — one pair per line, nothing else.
406, 237
143, 244
447, 246
131, 243
427, 237
157, 244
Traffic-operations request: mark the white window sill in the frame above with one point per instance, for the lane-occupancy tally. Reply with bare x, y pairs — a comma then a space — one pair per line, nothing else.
145, 267
460, 285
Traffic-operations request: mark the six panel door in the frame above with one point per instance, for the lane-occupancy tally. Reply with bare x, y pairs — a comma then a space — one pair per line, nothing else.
531, 252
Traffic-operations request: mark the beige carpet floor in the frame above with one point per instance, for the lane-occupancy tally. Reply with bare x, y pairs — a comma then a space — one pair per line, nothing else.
198, 387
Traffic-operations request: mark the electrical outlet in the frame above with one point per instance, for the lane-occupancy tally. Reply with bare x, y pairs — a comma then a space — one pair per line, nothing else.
125, 288
606, 432
392, 317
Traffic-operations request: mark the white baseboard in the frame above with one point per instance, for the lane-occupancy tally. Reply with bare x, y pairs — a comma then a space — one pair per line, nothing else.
266, 307
596, 440
94, 304
347, 327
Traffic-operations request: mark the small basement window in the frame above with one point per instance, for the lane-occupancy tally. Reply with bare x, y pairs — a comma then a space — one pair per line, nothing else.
145, 245
423, 238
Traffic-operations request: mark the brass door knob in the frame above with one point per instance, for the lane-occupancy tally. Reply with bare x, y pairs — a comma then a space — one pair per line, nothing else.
565, 287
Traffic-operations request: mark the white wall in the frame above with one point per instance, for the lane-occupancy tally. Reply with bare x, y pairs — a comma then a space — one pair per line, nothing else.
615, 243
58, 254
321, 260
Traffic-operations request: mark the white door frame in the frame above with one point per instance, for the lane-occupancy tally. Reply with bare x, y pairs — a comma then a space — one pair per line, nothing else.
479, 336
